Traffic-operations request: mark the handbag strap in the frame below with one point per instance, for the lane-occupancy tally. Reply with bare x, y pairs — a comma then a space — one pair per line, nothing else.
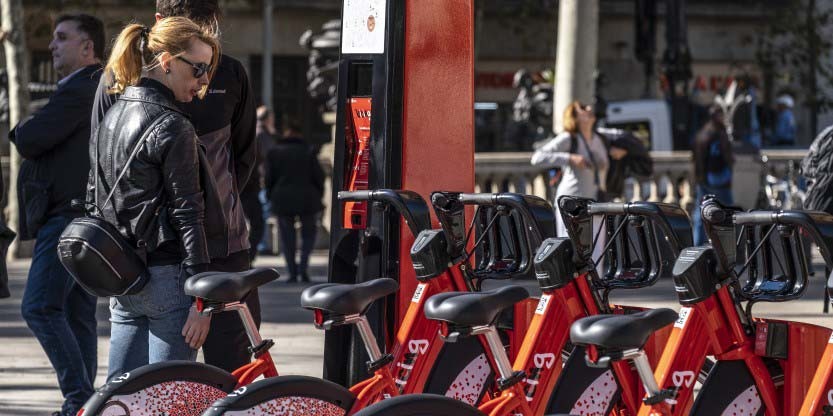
133, 154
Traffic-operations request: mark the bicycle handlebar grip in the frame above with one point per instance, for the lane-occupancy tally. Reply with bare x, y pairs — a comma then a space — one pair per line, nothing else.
607, 208
714, 214
478, 199
355, 195
756, 218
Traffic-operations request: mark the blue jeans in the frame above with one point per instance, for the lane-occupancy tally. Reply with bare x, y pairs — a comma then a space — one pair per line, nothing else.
724, 195
286, 229
62, 317
265, 243
147, 327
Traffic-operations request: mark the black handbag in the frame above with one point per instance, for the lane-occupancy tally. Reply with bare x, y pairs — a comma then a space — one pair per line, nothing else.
97, 255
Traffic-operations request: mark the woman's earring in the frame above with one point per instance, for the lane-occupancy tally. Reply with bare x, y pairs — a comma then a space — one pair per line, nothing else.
168, 71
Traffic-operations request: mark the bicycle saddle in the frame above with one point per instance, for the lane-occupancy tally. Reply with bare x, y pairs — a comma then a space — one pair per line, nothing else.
347, 299
471, 309
228, 287
620, 332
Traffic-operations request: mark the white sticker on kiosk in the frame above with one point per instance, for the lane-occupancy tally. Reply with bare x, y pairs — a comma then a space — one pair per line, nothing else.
363, 26
420, 289
682, 318
542, 304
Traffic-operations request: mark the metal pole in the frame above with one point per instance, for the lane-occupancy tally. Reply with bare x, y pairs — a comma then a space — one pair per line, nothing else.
578, 42
266, 68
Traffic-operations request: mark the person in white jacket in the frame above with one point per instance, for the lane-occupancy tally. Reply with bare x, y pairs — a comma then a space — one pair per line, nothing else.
581, 153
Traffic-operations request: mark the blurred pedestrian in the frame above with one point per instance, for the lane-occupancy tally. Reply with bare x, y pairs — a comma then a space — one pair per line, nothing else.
745, 124
713, 162
54, 142
295, 185
581, 154
156, 188
225, 122
255, 201
784, 133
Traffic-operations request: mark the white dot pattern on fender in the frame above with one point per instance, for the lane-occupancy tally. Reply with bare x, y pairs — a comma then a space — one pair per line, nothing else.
469, 383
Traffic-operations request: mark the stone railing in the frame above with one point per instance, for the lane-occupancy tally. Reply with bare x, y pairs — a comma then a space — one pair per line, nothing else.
671, 182
512, 172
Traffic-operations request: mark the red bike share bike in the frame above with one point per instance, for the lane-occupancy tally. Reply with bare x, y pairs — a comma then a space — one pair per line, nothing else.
764, 366
571, 289
418, 361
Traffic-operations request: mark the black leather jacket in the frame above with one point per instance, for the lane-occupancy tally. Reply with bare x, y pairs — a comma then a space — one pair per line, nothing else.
166, 176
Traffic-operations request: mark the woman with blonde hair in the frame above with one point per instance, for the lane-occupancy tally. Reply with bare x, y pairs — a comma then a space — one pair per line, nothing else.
580, 152
147, 180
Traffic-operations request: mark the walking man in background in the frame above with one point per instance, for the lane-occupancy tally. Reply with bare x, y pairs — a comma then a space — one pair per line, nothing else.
54, 143
712, 167
225, 124
295, 185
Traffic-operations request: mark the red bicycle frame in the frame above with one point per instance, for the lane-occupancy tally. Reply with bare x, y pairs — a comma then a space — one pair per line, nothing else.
415, 349
819, 401
712, 321
263, 365
541, 348
714, 327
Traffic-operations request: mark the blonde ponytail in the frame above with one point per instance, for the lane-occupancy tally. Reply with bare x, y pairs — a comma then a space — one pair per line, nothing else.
125, 64
137, 48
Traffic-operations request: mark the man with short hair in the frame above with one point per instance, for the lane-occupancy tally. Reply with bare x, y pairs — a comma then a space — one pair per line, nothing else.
54, 143
225, 123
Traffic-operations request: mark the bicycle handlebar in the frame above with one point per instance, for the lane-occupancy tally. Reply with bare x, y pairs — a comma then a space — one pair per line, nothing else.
607, 208
478, 199
408, 204
756, 217
355, 195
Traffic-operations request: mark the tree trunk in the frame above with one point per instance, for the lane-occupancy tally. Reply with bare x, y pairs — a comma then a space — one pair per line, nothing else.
18, 71
578, 42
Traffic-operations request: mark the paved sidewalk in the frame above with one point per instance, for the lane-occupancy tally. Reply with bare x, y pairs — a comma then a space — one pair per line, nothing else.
28, 385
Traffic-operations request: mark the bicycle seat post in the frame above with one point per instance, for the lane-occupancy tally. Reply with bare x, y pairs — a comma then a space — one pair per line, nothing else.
368, 338
646, 373
497, 350
248, 323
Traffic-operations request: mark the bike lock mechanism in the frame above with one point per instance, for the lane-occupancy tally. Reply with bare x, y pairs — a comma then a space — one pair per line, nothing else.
771, 247
772, 243
640, 240
526, 220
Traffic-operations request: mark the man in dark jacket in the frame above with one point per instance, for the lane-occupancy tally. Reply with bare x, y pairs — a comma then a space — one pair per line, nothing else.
225, 124
54, 142
294, 185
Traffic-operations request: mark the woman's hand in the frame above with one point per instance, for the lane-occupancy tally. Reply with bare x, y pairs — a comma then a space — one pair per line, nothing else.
617, 153
578, 161
196, 328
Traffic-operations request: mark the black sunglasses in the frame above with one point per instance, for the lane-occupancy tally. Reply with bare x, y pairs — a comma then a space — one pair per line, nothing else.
200, 69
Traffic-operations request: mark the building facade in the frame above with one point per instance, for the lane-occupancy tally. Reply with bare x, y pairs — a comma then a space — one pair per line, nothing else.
510, 34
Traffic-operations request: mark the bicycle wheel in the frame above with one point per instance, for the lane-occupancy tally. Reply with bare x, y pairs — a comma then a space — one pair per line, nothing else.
420, 405
184, 388
287, 396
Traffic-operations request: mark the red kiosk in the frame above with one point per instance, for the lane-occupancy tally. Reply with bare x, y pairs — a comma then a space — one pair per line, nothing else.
405, 121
